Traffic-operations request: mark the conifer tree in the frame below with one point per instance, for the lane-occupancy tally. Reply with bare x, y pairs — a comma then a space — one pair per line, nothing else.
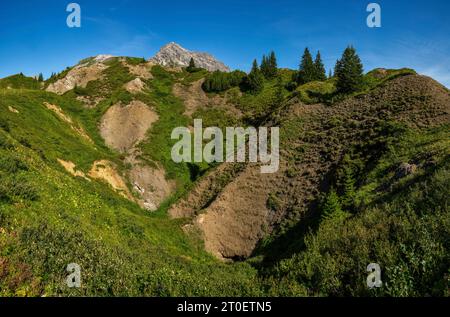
332, 206
273, 66
319, 68
279, 95
265, 66
255, 79
349, 187
40, 77
307, 70
349, 72
269, 66
191, 68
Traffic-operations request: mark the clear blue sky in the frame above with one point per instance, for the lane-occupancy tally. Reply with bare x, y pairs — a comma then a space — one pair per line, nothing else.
415, 33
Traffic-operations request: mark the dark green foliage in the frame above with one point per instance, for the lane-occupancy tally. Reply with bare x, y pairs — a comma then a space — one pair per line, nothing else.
220, 81
310, 70
279, 94
10, 163
191, 63
4, 125
349, 188
40, 77
5, 143
254, 82
192, 68
332, 207
307, 71
14, 183
264, 66
18, 187
135, 60
290, 86
269, 67
19, 81
349, 72
319, 68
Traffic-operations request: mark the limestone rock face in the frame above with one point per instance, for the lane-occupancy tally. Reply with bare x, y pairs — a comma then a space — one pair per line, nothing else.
173, 55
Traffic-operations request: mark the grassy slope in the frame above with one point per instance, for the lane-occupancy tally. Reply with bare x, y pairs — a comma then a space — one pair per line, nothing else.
401, 223
19, 81
49, 219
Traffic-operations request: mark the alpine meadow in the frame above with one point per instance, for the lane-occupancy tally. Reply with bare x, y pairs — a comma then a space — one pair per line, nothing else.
177, 175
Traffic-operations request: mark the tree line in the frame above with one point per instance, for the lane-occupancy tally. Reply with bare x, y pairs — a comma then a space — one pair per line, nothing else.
348, 73
348, 70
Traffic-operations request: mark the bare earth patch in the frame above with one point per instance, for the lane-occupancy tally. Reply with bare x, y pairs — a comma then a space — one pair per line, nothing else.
142, 70
195, 98
135, 86
151, 184
234, 223
124, 126
105, 170
13, 110
70, 167
79, 76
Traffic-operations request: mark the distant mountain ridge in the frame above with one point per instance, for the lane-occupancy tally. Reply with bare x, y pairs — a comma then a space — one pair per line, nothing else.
173, 54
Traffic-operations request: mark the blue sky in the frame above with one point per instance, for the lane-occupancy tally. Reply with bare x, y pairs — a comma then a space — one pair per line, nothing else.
34, 36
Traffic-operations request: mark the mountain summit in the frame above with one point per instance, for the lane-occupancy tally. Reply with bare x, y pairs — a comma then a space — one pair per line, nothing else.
173, 54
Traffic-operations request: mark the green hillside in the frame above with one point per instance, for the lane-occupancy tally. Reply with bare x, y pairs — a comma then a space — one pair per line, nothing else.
379, 158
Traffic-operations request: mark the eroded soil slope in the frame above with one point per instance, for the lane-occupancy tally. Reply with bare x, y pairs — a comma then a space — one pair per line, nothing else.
314, 139
124, 126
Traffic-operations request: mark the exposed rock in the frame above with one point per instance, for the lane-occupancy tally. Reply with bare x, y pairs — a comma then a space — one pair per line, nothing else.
71, 168
105, 170
151, 185
12, 109
102, 58
79, 76
141, 70
405, 169
173, 55
124, 126
134, 86
195, 98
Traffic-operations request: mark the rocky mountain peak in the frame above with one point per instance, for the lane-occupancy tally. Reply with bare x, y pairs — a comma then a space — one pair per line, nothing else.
173, 54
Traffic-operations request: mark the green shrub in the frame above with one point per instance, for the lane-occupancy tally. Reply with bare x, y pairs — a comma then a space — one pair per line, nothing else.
5, 143
10, 163
220, 81
18, 187
4, 125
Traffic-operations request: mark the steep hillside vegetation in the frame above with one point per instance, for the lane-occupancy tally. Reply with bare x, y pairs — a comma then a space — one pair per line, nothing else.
86, 176
49, 218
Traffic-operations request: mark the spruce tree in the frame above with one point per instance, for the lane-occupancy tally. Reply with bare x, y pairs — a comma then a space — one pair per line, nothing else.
191, 67
255, 79
265, 66
349, 72
269, 66
273, 66
307, 70
332, 207
349, 187
40, 77
279, 93
319, 68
